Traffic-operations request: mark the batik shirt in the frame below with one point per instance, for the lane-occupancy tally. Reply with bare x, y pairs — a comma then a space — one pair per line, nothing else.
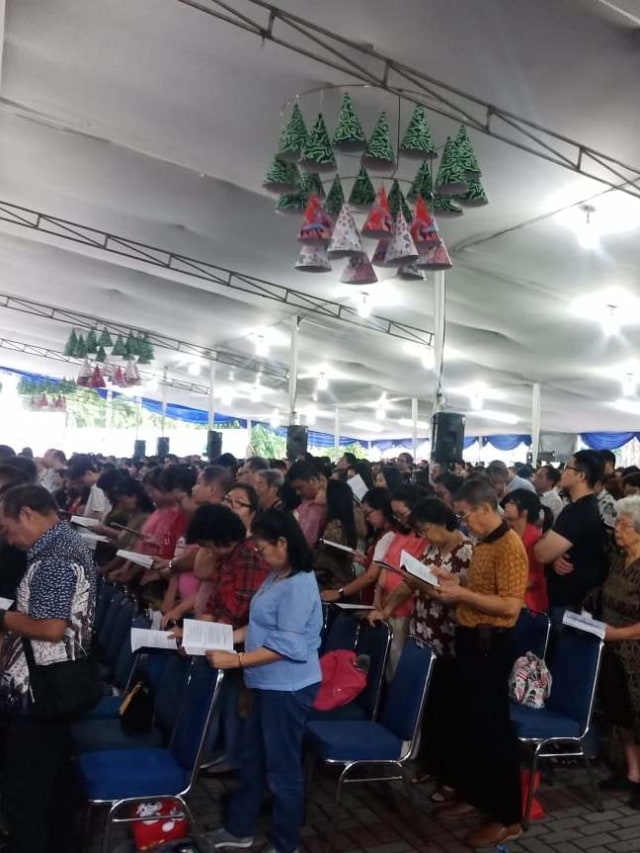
59, 583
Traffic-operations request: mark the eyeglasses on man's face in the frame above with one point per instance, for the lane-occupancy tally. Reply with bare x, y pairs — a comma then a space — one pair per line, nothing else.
236, 504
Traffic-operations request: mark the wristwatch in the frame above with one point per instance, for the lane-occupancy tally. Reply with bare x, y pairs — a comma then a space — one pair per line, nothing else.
341, 592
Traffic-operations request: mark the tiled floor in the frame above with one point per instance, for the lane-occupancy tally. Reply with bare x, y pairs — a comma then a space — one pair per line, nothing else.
378, 819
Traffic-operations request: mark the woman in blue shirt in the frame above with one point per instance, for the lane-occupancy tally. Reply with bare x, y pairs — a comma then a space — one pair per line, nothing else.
281, 667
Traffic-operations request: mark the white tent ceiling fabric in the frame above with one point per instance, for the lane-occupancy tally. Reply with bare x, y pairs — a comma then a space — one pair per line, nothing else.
156, 122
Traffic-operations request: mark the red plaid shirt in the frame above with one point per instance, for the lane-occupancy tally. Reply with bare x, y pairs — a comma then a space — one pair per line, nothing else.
240, 576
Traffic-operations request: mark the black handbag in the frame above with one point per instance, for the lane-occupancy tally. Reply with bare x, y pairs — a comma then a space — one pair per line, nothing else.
136, 709
65, 690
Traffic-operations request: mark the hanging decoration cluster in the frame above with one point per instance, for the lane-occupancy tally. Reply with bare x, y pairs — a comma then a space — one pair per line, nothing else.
109, 359
408, 238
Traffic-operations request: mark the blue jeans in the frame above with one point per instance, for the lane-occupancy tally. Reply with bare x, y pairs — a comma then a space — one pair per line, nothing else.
271, 753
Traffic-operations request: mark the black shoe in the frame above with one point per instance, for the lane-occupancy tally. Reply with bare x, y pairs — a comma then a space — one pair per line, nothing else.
634, 799
615, 782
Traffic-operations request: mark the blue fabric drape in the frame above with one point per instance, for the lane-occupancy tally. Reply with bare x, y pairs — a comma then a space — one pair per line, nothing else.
469, 441
607, 440
507, 442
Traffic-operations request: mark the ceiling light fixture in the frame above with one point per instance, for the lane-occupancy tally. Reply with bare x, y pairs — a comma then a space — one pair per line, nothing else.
428, 358
323, 382
255, 392
629, 385
275, 419
476, 400
262, 346
611, 321
226, 396
311, 414
498, 417
587, 231
364, 305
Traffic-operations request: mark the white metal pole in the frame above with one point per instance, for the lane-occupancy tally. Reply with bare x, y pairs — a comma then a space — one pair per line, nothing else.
439, 319
212, 382
414, 427
535, 421
293, 370
164, 400
336, 432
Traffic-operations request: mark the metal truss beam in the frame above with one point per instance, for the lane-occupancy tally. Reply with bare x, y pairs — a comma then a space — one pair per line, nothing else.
269, 23
302, 304
87, 321
54, 355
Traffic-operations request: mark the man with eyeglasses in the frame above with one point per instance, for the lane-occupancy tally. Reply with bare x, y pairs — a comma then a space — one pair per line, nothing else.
488, 603
574, 550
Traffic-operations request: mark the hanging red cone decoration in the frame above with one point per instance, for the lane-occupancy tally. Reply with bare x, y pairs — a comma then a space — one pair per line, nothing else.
379, 224
119, 378
435, 258
380, 253
60, 404
359, 271
84, 375
423, 227
42, 402
316, 225
96, 380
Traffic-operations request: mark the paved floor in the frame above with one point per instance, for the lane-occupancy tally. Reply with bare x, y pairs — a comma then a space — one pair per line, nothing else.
378, 819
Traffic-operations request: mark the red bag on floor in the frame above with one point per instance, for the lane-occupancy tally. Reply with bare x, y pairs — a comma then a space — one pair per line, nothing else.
537, 812
159, 828
341, 681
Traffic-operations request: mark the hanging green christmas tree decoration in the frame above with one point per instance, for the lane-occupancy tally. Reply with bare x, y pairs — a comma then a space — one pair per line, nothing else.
475, 196
119, 348
452, 177
363, 193
293, 137
101, 355
105, 339
292, 203
466, 154
444, 206
379, 154
398, 202
349, 135
417, 140
92, 342
311, 184
81, 348
71, 345
282, 177
335, 199
145, 350
422, 184
317, 154
131, 347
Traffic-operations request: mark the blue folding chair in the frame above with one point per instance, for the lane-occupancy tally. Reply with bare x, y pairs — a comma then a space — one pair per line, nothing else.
119, 634
531, 633
121, 779
342, 633
566, 717
374, 641
390, 743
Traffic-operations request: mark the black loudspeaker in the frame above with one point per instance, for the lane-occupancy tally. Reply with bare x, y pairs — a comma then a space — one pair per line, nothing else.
214, 445
297, 437
547, 456
139, 449
447, 437
162, 448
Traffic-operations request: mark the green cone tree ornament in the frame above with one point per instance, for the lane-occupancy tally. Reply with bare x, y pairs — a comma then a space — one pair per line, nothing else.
294, 203
417, 140
397, 202
293, 137
101, 355
119, 348
71, 345
92, 342
444, 206
81, 347
475, 196
335, 199
452, 177
145, 350
363, 193
311, 184
422, 184
105, 340
379, 154
466, 154
282, 177
349, 135
317, 154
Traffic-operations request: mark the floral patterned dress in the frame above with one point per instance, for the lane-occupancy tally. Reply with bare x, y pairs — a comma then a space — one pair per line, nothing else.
432, 622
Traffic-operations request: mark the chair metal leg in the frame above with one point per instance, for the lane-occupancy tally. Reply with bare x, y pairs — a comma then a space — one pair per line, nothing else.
107, 827
532, 775
334, 819
413, 810
592, 781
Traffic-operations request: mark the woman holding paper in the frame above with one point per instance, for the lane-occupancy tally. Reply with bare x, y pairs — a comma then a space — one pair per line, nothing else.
334, 565
281, 667
620, 673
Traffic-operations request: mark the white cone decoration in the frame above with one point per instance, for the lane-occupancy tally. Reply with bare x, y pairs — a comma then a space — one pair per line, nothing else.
359, 271
313, 259
345, 239
435, 258
131, 374
401, 249
84, 375
410, 272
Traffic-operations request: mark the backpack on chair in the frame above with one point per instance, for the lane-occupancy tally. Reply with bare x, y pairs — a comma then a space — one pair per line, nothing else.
530, 681
344, 677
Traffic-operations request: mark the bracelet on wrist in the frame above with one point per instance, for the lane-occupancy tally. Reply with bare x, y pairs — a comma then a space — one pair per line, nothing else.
240, 657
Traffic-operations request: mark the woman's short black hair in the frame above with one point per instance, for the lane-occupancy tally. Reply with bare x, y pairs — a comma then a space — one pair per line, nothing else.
340, 508
380, 498
250, 492
181, 477
275, 524
128, 487
217, 524
408, 494
525, 501
433, 511
392, 477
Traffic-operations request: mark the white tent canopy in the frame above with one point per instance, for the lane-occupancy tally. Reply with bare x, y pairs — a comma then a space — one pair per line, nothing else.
156, 122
